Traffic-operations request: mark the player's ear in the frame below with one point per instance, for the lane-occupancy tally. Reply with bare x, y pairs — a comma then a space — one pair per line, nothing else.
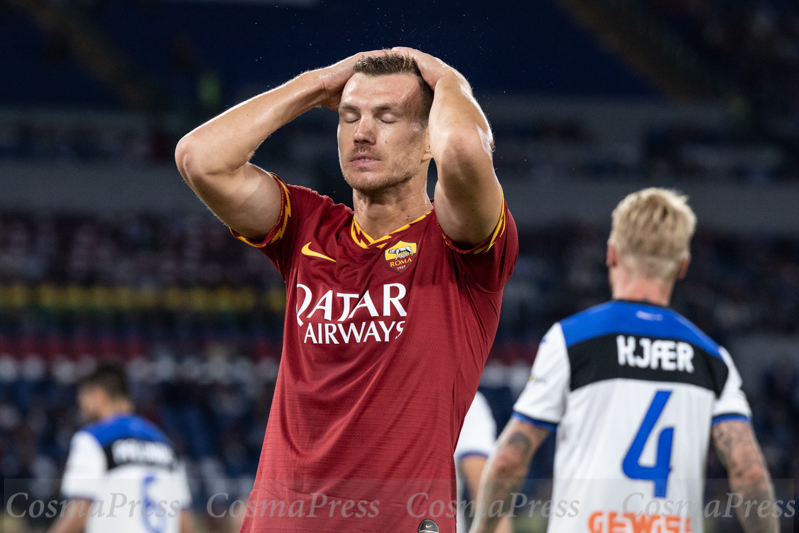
683, 270
428, 153
612, 258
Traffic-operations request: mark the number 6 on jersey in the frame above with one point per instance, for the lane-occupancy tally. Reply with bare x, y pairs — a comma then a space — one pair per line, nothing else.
659, 473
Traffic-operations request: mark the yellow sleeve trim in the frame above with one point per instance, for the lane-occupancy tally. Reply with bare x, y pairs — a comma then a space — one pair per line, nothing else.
279, 228
498, 231
285, 210
487, 244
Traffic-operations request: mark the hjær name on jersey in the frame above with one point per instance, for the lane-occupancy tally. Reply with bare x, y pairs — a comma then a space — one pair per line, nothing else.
664, 354
332, 317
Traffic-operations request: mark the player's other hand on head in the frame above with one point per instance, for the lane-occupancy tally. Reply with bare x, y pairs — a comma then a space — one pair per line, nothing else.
336, 76
431, 67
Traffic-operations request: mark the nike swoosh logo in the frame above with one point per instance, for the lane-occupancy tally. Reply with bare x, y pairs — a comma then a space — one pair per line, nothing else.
306, 250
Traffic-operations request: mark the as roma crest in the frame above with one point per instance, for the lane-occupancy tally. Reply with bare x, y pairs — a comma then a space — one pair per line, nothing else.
400, 256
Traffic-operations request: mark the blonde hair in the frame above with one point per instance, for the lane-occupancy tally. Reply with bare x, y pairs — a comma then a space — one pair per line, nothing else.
652, 231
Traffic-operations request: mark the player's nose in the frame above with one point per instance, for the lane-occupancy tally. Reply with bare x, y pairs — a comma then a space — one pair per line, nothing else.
365, 133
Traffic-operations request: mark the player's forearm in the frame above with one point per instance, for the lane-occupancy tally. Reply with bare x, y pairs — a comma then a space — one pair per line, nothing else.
226, 143
186, 521
496, 499
472, 468
505, 525
738, 449
70, 524
505, 472
460, 138
468, 196
754, 491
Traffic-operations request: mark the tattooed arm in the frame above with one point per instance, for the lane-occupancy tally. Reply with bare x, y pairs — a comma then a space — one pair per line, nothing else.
506, 469
737, 447
472, 469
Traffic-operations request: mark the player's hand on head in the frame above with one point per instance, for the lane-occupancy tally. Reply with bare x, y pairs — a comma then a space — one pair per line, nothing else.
431, 67
336, 76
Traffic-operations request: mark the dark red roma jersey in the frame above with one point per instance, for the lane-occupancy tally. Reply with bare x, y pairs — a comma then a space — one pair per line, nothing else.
383, 347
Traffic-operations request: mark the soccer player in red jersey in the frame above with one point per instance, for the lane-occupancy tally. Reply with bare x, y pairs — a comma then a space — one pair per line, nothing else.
391, 306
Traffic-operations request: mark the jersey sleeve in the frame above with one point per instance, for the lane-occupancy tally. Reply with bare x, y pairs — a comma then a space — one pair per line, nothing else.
731, 403
490, 264
479, 430
86, 466
543, 400
298, 204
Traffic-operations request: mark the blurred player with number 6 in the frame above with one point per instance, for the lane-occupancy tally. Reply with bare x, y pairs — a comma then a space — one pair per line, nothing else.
122, 473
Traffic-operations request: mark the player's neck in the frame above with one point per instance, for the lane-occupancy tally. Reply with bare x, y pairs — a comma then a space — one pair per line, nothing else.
380, 214
639, 289
116, 408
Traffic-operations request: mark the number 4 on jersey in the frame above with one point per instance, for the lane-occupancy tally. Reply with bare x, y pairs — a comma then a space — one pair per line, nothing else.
659, 473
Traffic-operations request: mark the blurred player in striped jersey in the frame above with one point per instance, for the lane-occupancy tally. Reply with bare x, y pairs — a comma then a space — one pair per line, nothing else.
478, 434
636, 392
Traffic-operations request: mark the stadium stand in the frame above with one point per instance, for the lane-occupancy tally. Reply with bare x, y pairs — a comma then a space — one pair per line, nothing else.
39, 68
754, 43
197, 316
672, 148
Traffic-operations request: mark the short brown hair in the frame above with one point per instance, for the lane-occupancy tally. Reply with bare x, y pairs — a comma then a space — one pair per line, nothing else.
389, 63
652, 230
110, 377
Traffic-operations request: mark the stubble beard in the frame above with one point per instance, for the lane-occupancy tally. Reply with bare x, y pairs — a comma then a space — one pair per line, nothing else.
395, 179
403, 168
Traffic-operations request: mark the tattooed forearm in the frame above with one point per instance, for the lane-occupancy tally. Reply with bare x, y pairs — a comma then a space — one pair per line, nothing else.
496, 501
752, 518
505, 472
738, 450
520, 443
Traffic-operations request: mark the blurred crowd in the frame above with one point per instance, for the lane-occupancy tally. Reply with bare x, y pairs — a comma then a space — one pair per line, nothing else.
197, 316
26, 140
756, 42
215, 411
544, 150
134, 285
